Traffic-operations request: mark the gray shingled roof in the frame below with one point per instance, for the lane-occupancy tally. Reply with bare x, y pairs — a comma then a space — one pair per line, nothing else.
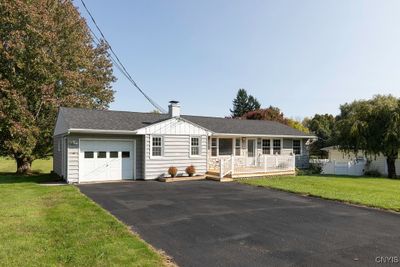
77, 118
236, 126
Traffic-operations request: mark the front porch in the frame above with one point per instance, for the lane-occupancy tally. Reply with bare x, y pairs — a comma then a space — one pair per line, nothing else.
262, 165
252, 156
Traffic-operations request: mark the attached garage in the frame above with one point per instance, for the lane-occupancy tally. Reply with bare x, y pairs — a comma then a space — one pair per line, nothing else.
106, 160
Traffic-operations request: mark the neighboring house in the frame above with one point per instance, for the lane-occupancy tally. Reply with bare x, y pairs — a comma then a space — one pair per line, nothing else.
102, 145
350, 163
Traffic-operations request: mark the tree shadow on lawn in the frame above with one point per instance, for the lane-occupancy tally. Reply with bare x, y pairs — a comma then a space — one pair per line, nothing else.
13, 178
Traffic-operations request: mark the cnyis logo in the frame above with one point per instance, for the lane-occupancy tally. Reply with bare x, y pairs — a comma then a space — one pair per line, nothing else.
387, 259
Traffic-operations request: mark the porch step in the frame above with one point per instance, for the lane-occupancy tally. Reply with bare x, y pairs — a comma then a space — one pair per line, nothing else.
212, 173
213, 177
182, 178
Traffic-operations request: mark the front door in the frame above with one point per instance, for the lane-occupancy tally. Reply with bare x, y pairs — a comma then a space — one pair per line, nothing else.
251, 152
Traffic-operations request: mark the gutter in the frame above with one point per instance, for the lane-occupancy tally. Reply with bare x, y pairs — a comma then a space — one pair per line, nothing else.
77, 130
268, 135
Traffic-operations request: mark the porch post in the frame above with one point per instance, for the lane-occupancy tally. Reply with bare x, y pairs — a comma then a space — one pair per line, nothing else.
232, 163
265, 163
221, 168
294, 162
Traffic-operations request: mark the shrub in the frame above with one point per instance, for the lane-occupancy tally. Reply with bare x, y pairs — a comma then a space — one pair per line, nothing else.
313, 169
191, 170
172, 171
373, 173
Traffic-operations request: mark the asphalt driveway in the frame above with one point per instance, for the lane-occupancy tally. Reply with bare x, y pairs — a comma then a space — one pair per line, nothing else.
207, 223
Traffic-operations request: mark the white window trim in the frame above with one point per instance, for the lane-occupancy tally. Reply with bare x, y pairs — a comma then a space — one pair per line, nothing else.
216, 146
280, 145
262, 146
301, 147
190, 146
240, 146
151, 146
255, 147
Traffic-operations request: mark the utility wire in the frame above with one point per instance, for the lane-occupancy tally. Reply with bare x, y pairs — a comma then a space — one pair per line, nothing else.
121, 67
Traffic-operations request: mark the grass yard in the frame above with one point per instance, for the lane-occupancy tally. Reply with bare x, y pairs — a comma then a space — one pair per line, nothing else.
374, 192
39, 165
59, 226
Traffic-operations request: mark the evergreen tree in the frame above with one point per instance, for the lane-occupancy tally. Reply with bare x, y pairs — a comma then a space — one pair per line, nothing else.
253, 104
244, 103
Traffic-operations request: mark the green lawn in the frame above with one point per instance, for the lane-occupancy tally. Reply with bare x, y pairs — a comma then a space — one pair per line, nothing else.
39, 165
59, 226
374, 192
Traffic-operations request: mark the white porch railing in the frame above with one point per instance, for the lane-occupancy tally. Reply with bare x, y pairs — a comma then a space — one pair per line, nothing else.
260, 164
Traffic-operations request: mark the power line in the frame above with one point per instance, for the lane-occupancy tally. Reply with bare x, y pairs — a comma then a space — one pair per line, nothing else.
120, 66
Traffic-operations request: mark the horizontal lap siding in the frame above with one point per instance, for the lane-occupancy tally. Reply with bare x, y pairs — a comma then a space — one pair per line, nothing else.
177, 154
379, 164
73, 153
72, 159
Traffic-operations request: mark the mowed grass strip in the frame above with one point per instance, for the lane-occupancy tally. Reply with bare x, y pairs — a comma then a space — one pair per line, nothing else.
38, 166
57, 225
374, 192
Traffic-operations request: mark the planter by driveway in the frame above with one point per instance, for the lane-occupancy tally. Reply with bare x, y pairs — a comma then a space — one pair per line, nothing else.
206, 223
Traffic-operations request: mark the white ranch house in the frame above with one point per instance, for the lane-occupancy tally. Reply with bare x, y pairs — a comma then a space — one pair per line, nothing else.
102, 145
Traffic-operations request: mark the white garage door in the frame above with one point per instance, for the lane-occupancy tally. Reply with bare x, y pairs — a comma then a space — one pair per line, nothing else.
106, 160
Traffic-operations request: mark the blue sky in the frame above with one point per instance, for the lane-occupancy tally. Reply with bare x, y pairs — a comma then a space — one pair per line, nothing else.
304, 57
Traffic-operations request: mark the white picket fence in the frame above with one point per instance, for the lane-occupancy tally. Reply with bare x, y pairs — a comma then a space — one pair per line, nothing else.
353, 168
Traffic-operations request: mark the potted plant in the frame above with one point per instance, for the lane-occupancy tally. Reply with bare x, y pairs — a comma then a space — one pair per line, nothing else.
172, 171
191, 170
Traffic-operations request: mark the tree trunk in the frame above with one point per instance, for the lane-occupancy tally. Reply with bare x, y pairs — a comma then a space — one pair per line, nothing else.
23, 165
391, 166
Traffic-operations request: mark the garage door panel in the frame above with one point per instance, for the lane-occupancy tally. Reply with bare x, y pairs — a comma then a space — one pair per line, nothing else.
112, 160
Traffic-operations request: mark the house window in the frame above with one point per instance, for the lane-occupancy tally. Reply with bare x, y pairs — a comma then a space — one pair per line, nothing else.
89, 154
277, 146
126, 154
237, 146
156, 147
114, 154
195, 146
214, 147
59, 145
296, 147
101, 154
266, 146
225, 146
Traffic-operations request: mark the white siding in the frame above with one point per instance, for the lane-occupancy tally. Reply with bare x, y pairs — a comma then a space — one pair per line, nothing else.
176, 152
72, 159
73, 153
174, 126
378, 163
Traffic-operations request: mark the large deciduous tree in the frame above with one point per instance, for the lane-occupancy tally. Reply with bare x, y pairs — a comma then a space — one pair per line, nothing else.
269, 114
373, 127
323, 126
47, 60
274, 114
244, 103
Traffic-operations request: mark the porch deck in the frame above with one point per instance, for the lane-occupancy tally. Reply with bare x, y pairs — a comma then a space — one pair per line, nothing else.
234, 167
